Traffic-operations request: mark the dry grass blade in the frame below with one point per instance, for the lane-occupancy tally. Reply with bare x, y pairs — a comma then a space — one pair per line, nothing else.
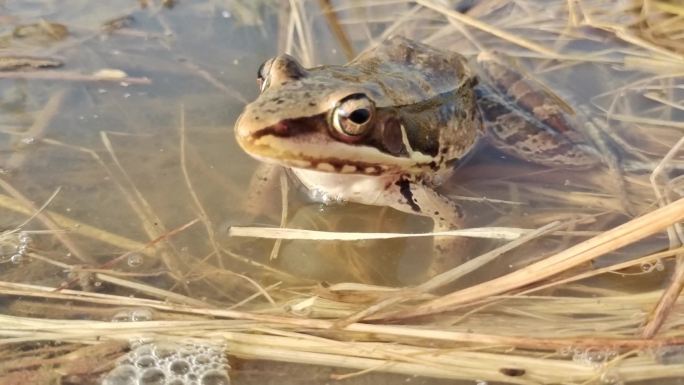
420, 333
467, 20
505, 233
72, 77
608, 241
284, 212
671, 294
334, 23
152, 291
445, 278
204, 217
648, 259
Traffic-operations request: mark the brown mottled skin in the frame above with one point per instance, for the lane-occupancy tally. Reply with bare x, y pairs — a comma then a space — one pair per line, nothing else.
421, 110
526, 120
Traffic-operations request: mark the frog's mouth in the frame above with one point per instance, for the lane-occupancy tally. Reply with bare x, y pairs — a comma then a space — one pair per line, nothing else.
312, 147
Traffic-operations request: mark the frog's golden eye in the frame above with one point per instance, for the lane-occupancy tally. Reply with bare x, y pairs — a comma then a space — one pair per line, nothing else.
353, 116
262, 75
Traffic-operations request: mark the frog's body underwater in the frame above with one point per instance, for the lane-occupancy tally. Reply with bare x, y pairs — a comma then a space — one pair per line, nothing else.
388, 127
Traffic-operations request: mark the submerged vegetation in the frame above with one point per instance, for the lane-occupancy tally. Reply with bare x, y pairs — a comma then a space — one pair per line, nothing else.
119, 188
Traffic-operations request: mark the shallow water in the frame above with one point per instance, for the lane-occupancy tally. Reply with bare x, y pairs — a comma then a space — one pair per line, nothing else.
132, 164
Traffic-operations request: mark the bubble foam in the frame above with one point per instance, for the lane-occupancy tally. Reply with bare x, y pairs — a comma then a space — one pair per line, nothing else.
171, 363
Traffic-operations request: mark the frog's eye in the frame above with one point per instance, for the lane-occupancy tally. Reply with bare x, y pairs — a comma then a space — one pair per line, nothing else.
262, 75
353, 115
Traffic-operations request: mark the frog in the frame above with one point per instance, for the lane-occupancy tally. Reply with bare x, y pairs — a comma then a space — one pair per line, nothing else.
392, 125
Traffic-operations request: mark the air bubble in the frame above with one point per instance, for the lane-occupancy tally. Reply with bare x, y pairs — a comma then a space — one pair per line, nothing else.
565, 351
152, 376
163, 351
180, 367
135, 259
133, 315
138, 315
17, 259
659, 265
145, 362
215, 377
647, 267
144, 349
122, 316
611, 354
202, 359
610, 377
595, 355
24, 238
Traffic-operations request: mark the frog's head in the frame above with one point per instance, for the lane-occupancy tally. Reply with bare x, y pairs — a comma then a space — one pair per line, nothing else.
328, 118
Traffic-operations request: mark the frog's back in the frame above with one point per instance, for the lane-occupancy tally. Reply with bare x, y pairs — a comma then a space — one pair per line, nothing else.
411, 71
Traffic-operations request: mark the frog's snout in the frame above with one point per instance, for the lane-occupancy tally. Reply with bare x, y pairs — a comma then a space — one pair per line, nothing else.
247, 129
246, 125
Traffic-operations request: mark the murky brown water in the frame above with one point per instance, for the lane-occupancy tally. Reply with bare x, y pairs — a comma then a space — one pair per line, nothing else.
112, 152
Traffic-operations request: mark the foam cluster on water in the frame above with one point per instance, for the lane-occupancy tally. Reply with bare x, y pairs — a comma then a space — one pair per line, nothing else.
171, 363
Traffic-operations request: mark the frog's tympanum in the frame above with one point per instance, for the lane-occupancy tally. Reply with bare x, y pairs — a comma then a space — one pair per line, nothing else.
388, 127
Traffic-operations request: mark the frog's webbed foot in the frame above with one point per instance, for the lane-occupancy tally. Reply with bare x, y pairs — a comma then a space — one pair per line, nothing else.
525, 119
416, 198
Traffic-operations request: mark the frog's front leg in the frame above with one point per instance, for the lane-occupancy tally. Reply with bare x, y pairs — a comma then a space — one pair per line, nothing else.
419, 199
263, 187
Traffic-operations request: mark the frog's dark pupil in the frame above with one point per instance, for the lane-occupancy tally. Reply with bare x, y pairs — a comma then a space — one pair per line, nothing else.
359, 116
